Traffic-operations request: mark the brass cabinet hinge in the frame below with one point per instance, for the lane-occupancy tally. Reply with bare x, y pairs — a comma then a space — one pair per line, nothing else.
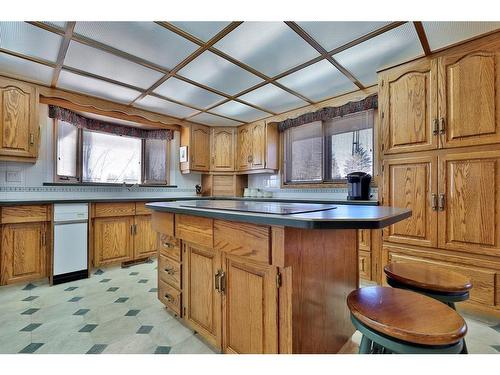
278, 280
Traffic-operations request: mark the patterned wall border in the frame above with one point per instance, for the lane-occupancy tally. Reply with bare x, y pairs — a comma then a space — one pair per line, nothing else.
90, 189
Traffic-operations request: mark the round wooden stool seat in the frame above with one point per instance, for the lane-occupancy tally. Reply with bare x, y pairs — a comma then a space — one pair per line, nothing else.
427, 278
407, 316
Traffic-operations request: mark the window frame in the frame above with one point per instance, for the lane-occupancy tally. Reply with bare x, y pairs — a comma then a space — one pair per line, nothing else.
79, 163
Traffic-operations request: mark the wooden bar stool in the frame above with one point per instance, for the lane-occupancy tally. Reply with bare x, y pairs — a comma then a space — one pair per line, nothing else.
400, 321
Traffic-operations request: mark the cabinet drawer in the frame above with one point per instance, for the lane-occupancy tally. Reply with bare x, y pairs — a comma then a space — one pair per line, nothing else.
169, 271
170, 297
141, 209
365, 265
244, 240
170, 247
25, 214
194, 229
114, 209
163, 222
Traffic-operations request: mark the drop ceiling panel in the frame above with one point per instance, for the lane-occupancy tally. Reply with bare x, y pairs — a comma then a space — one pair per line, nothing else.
273, 98
391, 48
442, 34
201, 29
155, 104
335, 34
146, 40
25, 69
318, 81
239, 111
212, 120
107, 65
218, 73
187, 93
269, 47
96, 87
59, 24
29, 40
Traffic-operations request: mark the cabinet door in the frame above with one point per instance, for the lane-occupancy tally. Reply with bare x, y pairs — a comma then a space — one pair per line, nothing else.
24, 252
258, 155
408, 108
249, 307
201, 300
364, 239
113, 240
469, 213
412, 183
244, 141
145, 238
469, 107
200, 148
18, 122
222, 149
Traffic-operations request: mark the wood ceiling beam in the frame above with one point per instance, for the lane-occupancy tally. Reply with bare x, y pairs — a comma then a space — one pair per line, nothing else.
422, 37
63, 49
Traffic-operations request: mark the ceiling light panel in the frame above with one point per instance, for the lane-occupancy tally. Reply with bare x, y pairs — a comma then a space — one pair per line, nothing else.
187, 93
155, 104
203, 30
213, 120
388, 49
318, 81
25, 69
105, 64
442, 34
218, 73
269, 47
273, 98
58, 24
239, 111
29, 40
96, 87
146, 40
335, 34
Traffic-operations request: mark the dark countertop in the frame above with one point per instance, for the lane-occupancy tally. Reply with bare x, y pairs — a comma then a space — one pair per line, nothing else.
344, 216
13, 202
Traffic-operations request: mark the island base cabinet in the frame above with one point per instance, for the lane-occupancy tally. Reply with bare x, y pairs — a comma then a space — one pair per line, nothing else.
249, 307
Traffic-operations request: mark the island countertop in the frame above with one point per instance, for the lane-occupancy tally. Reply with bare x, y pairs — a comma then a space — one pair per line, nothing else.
327, 216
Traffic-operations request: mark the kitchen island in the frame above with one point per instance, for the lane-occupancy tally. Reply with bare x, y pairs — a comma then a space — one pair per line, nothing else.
263, 277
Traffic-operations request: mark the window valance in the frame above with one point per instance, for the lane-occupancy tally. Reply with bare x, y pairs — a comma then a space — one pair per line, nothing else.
80, 121
328, 113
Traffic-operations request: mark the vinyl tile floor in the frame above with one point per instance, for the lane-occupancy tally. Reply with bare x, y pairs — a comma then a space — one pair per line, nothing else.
116, 310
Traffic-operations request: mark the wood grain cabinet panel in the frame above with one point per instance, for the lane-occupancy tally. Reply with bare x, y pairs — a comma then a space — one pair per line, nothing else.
244, 148
113, 209
145, 238
469, 107
195, 229
113, 240
24, 252
223, 146
364, 239
170, 246
18, 121
259, 145
200, 148
169, 271
470, 202
170, 297
412, 183
202, 301
408, 101
365, 267
250, 323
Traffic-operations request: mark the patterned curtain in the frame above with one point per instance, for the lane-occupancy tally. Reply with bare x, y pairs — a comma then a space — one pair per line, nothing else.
79, 121
328, 113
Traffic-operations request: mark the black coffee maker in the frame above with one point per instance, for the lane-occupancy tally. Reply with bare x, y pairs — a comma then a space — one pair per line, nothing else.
358, 186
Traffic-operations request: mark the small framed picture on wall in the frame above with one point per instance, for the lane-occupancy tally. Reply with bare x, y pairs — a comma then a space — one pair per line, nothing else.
183, 154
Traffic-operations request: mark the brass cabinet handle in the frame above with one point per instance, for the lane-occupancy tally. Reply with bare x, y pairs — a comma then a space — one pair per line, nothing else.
170, 271
168, 245
217, 281
222, 282
32, 139
135, 229
441, 127
434, 202
169, 298
435, 129
441, 202
132, 229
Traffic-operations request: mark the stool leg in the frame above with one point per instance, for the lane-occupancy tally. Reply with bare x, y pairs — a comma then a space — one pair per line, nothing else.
464, 348
365, 345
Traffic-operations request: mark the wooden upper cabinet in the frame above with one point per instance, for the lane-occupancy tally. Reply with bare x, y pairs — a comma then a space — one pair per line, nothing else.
244, 148
113, 240
412, 183
249, 307
258, 135
257, 146
145, 238
469, 91
469, 187
223, 145
202, 301
408, 107
18, 121
200, 148
24, 252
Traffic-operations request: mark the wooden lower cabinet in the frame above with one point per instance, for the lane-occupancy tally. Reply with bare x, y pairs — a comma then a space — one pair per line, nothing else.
145, 238
24, 252
113, 240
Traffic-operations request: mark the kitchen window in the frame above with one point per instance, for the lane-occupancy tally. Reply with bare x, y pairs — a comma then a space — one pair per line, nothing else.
326, 151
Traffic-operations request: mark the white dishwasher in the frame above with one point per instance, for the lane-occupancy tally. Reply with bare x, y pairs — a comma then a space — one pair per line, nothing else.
70, 242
